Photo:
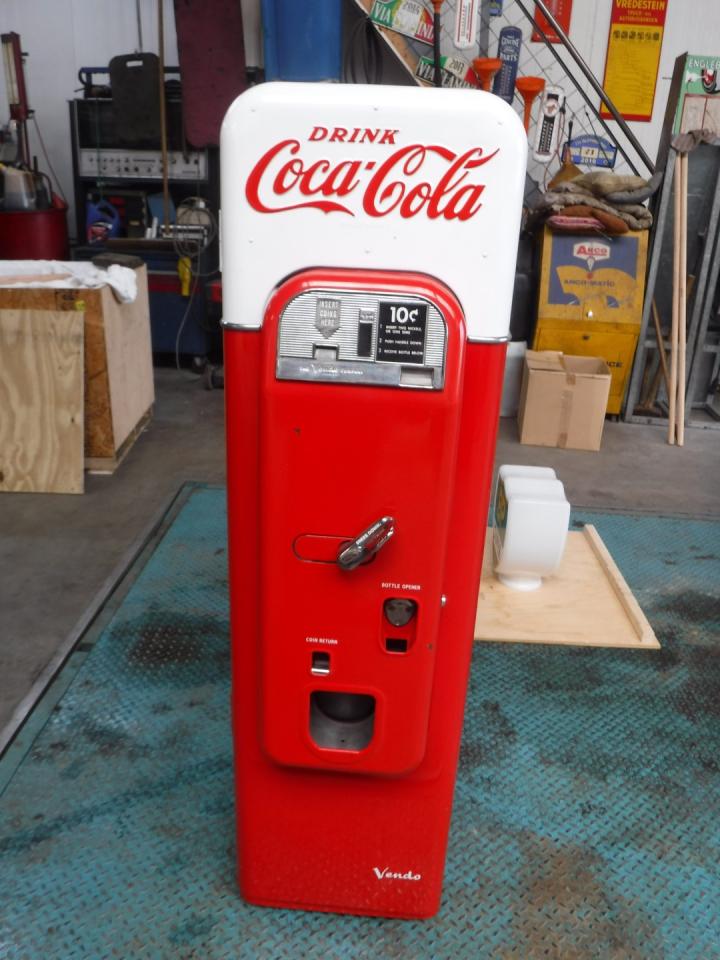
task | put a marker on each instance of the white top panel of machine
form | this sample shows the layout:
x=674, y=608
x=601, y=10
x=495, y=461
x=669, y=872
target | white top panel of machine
x=373, y=177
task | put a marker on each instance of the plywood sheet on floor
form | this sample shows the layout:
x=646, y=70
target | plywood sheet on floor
x=586, y=603
x=41, y=401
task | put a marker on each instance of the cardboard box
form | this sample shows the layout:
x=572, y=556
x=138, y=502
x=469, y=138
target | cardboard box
x=563, y=400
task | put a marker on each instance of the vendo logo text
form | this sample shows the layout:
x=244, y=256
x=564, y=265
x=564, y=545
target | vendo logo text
x=387, y=874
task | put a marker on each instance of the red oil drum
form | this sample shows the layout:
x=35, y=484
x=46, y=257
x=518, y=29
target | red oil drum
x=34, y=234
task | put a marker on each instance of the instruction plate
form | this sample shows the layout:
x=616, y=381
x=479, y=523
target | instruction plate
x=401, y=332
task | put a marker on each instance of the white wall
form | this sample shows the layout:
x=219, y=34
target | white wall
x=60, y=36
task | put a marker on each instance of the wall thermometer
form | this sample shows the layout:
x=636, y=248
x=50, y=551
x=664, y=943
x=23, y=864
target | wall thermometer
x=509, y=44
x=546, y=133
x=466, y=23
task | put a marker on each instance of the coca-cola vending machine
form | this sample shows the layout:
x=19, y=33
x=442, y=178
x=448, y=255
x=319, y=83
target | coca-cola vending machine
x=369, y=242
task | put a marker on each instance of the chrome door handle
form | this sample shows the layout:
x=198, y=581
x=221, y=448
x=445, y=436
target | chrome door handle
x=366, y=544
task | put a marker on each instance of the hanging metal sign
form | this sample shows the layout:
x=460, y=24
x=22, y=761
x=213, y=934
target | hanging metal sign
x=592, y=151
x=454, y=71
x=633, y=56
x=411, y=18
x=562, y=11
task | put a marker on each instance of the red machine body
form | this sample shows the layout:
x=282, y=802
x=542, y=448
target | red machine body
x=310, y=465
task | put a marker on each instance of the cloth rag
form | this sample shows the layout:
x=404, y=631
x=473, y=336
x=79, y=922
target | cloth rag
x=69, y=274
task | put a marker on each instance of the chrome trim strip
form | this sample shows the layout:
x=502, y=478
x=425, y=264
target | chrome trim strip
x=229, y=325
x=496, y=340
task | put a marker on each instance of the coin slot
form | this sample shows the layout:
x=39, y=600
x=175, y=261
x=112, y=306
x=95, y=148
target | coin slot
x=396, y=645
x=320, y=665
x=364, y=339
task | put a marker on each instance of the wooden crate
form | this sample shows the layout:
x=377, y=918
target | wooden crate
x=41, y=401
x=119, y=390
x=586, y=603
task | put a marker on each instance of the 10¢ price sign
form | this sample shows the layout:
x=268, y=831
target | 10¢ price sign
x=401, y=332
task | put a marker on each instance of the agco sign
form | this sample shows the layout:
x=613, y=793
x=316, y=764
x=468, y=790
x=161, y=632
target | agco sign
x=591, y=252
x=407, y=181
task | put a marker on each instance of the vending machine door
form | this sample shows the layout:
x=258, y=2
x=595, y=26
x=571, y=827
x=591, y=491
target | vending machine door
x=362, y=386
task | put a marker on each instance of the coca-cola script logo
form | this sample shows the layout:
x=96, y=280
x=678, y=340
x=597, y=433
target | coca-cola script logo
x=410, y=180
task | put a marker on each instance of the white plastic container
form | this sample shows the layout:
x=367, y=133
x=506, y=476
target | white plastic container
x=525, y=470
x=531, y=523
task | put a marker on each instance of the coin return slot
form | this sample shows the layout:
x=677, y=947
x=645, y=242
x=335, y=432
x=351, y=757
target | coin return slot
x=326, y=354
x=414, y=377
x=320, y=663
x=396, y=645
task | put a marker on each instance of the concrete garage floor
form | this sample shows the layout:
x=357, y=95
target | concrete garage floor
x=57, y=552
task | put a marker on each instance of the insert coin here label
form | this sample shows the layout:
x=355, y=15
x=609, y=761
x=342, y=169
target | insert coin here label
x=402, y=328
x=327, y=315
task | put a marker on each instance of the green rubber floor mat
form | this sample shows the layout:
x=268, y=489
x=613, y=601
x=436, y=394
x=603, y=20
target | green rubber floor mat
x=587, y=809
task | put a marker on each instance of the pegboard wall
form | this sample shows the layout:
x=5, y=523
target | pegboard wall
x=555, y=66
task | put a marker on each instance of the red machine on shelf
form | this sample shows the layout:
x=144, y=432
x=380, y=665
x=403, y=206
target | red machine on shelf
x=33, y=224
x=368, y=260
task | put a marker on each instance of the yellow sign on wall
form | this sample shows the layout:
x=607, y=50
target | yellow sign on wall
x=633, y=56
